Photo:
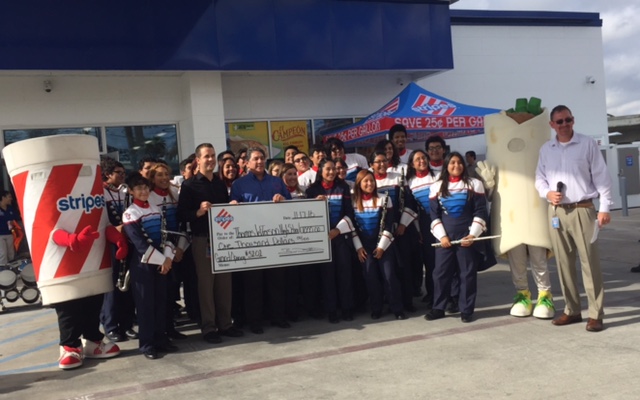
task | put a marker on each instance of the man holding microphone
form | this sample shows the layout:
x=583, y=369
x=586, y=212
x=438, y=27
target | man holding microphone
x=571, y=174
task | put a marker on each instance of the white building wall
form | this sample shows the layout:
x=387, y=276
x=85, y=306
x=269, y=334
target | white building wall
x=307, y=95
x=493, y=67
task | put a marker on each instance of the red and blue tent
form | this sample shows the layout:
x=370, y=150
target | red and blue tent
x=423, y=114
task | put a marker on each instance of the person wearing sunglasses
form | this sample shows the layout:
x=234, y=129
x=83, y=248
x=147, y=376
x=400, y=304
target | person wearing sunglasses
x=571, y=173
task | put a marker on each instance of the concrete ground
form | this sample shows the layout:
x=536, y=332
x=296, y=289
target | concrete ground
x=496, y=356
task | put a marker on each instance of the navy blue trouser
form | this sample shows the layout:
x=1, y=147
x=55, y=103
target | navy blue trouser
x=118, y=309
x=150, y=295
x=336, y=277
x=461, y=260
x=381, y=280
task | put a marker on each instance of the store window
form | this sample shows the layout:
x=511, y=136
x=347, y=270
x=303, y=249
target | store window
x=242, y=135
x=289, y=133
x=130, y=144
x=322, y=126
x=16, y=135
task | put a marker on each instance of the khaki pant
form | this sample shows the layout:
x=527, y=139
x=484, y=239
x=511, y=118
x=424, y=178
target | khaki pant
x=214, y=291
x=571, y=239
x=7, y=252
x=537, y=259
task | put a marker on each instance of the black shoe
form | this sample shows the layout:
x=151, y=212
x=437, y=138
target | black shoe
x=212, y=337
x=333, y=317
x=232, y=332
x=256, y=329
x=131, y=334
x=115, y=336
x=347, y=315
x=434, y=314
x=281, y=324
x=167, y=347
x=150, y=354
x=466, y=317
x=452, y=306
x=636, y=268
x=376, y=315
x=174, y=334
x=401, y=315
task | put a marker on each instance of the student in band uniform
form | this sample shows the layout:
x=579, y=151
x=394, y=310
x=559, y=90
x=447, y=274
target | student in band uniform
x=458, y=212
x=373, y=241
x=336, y=275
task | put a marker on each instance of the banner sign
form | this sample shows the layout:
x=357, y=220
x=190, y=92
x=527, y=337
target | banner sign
x=261, y=235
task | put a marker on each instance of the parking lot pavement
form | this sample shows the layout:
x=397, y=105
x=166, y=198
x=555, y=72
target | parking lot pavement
x=496, y=356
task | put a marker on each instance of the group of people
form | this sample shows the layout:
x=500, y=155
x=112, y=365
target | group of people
x=399, y=221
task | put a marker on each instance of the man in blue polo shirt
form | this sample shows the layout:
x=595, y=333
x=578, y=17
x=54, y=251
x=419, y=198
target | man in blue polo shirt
x=257, y=186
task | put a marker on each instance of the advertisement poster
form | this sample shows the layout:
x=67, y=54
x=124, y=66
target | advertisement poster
x=243, y=135
x=286, y=133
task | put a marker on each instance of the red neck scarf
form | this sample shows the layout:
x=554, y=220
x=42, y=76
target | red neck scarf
x=422, y=174
x=161, y=192
x=455, y=178
x=327, y=185
x=315, y=168
x=140, y=203
x=403, y=152
x=381, y=176
x=436, y=163
x=367, y=196
x=291, y=189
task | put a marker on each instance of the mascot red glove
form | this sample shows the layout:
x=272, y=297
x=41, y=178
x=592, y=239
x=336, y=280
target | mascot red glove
x=116, y=237
x=79, y=242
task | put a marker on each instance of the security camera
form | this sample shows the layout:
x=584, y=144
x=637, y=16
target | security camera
x=400, y=81
x=48, y=86
x=591, y=80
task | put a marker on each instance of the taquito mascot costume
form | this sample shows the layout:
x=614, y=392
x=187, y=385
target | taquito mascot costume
x=57, y=180
x=518, y=214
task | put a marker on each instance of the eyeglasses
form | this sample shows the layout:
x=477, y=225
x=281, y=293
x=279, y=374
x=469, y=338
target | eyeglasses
x=434, y=148
x=567, y=121
x=379, y=162
x=299, y=160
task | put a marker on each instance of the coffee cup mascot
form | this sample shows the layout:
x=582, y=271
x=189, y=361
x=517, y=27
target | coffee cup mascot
x=517, y=212
x=58, y=185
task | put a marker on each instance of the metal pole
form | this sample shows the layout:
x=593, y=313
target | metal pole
x=623, y=195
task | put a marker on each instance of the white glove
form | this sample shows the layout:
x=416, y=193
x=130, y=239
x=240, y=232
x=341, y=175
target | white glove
x=487, y=172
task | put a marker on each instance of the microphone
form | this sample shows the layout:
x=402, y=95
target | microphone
x=559, y=187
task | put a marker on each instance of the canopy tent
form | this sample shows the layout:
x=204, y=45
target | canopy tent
x=423, y=114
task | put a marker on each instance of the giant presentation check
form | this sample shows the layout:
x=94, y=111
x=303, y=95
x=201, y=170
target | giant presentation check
x=266, y=235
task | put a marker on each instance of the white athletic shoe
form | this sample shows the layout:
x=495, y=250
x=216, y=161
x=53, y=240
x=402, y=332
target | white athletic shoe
x=100, y=349
x=544, y=306
x=70, y=357
x=522, y=306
